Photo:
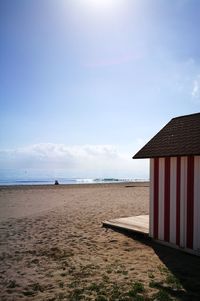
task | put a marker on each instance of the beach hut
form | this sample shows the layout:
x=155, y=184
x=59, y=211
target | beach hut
x=175, y=183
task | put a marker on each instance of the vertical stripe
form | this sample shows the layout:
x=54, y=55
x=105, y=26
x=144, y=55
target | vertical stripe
x=196, y=243
x=183, y=196
x=173, y=172
x=167, y=199
x=190, y=202
x=161, y=198
x=156, y=183
x=178, y=187
x=151, y=204
x=198, y=204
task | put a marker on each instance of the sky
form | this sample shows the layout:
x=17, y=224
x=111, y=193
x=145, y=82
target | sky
x=84, y=84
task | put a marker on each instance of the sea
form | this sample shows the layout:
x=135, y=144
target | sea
x=51, y=181
x=48, y=177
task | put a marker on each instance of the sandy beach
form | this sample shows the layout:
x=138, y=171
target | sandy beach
x=53, y=247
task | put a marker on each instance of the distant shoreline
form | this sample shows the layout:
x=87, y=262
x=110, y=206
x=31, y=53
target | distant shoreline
x=76, y=185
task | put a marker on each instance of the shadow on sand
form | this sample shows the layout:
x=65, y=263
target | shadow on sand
x=185, y=267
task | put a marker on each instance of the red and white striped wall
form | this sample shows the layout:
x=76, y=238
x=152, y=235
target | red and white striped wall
x=175, y=201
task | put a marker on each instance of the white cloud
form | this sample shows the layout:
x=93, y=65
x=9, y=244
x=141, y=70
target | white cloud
x=75, y=161
x=196, y=88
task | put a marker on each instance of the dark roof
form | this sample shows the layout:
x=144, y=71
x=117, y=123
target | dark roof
x=180, y=137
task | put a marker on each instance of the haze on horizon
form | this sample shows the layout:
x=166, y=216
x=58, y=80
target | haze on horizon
x=86, y=83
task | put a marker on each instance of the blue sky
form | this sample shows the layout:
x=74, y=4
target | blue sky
x=85, y=83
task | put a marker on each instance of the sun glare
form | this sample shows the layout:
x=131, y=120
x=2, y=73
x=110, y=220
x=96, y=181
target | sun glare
x=103, y=5
x=89, y=13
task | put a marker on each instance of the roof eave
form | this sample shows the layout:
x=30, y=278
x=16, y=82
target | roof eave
x=163, y=156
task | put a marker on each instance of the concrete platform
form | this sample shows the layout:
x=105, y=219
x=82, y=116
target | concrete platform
x=138, y=224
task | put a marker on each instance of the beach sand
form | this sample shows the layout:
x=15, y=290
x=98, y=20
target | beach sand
x=53, y=247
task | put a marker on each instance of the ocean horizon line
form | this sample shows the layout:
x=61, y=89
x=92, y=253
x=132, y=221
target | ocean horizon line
x=67, y=181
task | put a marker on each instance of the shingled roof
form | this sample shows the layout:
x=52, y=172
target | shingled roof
x=180, y=137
